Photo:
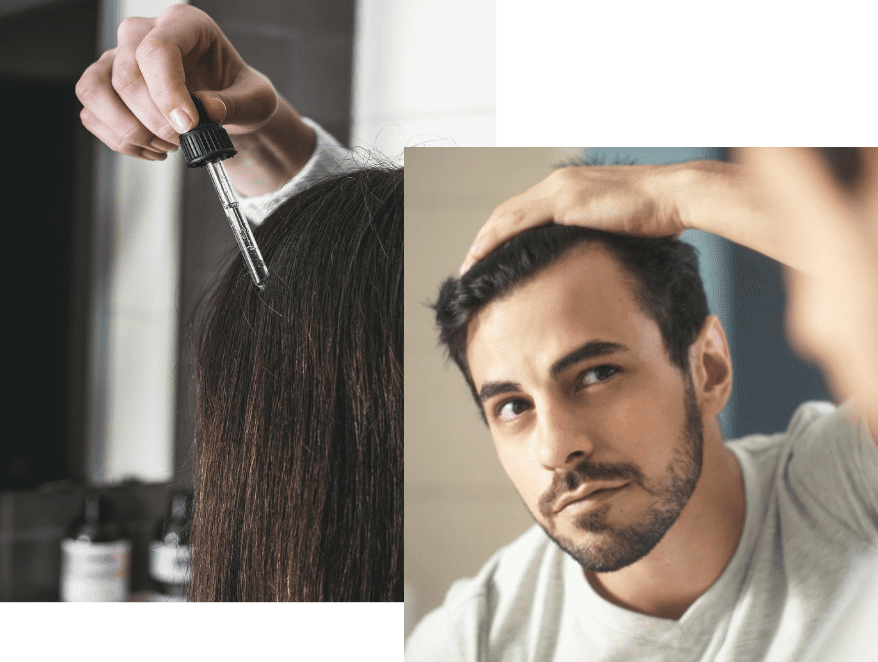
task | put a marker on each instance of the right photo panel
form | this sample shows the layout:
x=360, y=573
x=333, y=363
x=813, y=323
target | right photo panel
x=630, y=431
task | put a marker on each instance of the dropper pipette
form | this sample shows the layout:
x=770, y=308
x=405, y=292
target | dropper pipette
x=209, y=145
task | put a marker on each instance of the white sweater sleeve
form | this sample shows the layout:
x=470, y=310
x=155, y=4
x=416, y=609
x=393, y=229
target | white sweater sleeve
x=329, y=158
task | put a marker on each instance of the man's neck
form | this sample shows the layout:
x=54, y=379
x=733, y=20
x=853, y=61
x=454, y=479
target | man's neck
x=695, y=550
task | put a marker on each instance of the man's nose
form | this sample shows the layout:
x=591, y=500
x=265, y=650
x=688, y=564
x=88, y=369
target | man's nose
x=562, y=436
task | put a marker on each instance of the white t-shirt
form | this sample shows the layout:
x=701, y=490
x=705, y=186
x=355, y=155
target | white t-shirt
x=811, y=520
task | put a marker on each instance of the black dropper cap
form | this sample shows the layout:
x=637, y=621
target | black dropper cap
x=206, y=143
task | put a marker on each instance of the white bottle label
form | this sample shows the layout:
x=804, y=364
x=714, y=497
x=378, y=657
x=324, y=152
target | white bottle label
x=170, y=563
x=95, y=571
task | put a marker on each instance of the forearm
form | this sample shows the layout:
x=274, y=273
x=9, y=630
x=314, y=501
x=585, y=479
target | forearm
x=722, y=199
x=271, y=156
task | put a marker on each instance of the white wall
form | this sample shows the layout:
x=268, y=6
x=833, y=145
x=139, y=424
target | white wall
x=424, y=73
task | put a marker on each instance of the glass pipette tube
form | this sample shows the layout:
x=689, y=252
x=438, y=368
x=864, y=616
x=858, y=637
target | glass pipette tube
x=240, y=227
x=208, y=144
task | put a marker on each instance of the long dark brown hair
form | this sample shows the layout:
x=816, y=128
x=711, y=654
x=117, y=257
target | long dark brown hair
x=299, y=452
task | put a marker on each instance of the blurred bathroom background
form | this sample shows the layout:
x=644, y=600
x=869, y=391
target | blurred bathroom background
x=105, y=256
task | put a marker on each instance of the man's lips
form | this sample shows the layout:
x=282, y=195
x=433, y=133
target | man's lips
x=585, y=491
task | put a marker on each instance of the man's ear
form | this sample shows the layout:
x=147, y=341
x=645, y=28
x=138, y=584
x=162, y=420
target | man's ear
x=711, y=366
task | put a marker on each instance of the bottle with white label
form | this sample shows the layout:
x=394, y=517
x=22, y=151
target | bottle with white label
x=95, y=555
x=169, y=551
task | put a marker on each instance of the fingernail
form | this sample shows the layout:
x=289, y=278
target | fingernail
x=181, y=121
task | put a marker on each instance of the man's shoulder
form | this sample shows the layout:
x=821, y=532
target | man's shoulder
x=816, y=413
x=824, y=465
x=815, y=430
x=500, y=597
x=512, y=567
x=809, y=418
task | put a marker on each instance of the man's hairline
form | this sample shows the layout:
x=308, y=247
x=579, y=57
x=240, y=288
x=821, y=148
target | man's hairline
x=582, y=246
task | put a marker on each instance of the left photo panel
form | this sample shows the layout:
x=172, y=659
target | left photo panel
x=205, y=334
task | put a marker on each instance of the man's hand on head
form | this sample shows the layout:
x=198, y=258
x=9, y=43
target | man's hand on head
x=783, y=203
x=628, y=199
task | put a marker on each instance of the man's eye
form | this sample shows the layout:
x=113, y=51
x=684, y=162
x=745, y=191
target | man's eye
x=597, y=374
x=511, y=409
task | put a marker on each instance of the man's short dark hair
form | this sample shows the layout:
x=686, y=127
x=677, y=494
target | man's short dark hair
x=663, y=273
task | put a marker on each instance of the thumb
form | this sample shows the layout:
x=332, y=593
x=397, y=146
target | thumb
x=245, y=106
x=214, y=106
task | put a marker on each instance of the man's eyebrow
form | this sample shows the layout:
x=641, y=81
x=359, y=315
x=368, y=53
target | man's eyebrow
x=490, y=389
x=587, y=351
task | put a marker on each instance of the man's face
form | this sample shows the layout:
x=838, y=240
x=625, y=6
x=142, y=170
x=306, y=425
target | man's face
x=580, y=396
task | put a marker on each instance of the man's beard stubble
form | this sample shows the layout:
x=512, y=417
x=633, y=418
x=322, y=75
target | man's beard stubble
x=671, y=490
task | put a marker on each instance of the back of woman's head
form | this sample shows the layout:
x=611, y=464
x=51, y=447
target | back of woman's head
x=299, y=434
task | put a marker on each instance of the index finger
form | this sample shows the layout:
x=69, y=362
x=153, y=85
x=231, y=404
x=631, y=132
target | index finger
x=160, y=58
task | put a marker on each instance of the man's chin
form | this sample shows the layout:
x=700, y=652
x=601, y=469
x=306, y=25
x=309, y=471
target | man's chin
x=600, y=552
x=600, y=547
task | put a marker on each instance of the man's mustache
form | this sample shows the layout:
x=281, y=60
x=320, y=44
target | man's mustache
x=585, y=472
